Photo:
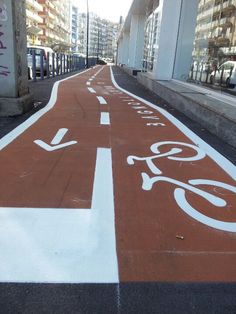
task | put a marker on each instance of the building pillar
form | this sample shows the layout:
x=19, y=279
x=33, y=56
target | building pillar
x=125, y=48
x=14, y=92
x=120, y=51
x=185, y=41
x=168, y=25
x=136, y=41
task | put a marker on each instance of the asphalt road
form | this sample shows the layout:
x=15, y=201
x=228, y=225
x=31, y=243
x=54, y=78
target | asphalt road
x=114, y=205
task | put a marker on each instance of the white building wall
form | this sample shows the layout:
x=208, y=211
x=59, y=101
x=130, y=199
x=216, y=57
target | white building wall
x=168, y=23
x=185, y=39
x=174, y=43
x=136, y=41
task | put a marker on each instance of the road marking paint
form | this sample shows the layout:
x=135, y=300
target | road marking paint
x=101, y=100
x=62, y=245
x=105, y=118
x=11, y=136
x=56, y=140
x=224, y=163
x=91, y=90
x=88, y=83
x=90, y=79
x=59, y=136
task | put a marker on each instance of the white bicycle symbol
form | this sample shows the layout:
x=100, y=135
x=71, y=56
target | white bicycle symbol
x=180, y=190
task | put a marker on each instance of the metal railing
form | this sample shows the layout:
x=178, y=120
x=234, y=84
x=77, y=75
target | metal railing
x=202, y=73
x=42, y=67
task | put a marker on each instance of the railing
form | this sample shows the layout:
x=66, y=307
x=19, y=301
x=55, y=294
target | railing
x=41, y=67
x=202, y=73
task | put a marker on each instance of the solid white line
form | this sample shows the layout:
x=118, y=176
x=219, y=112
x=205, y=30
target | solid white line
x=101, y=100
x=59, y=136
x=105, y=118
x=7, y=139
x=62, y=245
x=224, y=163
x=91, y=90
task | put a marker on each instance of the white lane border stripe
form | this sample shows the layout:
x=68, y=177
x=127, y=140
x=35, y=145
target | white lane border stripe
x=224, y=163
x=63, y=245
x=10, y=137
x=91, y=90
x=101, y=100
x=105, y=118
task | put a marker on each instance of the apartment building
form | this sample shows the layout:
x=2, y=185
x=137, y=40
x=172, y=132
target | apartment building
x=102, y=36
x=48, y=23
x=74, y=31
x=33, y=21
x=215, y=37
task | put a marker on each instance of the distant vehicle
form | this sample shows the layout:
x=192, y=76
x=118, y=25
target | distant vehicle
x=37, y=50
x=225, y=73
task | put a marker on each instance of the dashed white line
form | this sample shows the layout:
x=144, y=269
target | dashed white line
x=88, y=83
x=105, y=118
x=101, y=100
x=91, y=90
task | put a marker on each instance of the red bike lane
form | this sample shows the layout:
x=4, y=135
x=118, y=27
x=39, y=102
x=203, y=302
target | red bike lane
x=174, y=196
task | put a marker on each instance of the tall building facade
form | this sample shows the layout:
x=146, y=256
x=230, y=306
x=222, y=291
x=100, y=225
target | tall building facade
x=102, y=36
x=48, y=23
x=74, y=29
x=215, y=36
x=33, y=21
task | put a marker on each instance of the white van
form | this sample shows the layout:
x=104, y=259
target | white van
x=225, y=73
x=37, y=50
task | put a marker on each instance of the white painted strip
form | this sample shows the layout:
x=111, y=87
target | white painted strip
x=101, y=100
x=224, y=163
x=7, y=139
x=88, y=83
x=59, y=136
x=90, y=79
x=91, y=90
x=63, y=245
x=105, y=118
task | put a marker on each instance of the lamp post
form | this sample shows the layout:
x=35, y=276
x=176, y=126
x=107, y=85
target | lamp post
x=87, y=47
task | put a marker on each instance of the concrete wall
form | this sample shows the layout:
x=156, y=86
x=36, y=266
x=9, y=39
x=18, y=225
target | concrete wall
x=13, y=59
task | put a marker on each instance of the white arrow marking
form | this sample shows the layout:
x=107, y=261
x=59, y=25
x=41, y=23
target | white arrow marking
x=55, y=141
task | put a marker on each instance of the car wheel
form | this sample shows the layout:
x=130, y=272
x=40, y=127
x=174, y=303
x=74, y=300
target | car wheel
x=30, y=73
x=212, y=79
x=228, y=84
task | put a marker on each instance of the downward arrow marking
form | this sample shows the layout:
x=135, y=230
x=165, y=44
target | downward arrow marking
x=55, y=141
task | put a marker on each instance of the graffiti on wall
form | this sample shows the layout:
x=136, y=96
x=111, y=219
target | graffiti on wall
x=4, y=71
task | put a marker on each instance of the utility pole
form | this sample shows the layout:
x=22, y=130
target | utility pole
x=98, y=43
x=87, y=47
x=14, y=92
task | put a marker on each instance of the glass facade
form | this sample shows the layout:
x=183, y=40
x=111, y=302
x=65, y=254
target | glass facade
x=214, y=53
x=150, y=40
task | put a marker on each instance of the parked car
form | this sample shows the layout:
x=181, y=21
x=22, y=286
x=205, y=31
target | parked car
x=225, y=73
x=38, y=50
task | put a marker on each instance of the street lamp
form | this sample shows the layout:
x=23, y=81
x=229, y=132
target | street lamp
x=87, y=47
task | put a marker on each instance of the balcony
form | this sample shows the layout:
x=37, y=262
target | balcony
x=35, y=5
x=33, y=16
x=225, y=22
x=229, y=5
